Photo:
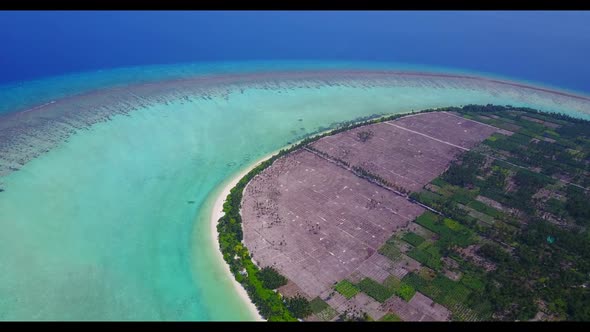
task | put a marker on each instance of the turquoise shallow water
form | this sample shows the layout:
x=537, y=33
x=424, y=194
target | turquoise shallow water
x=114, y=223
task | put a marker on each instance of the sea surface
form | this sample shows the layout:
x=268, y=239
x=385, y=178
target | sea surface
x=110, y=221
x=542, y=46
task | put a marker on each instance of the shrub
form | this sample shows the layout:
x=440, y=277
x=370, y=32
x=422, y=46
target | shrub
x=271, y=278
x=299, y=306
x=406, y=292
x=390, y=251
x=413, y=239
x=365, y=135
x=318, y=305
x=390, y=317
x=375, y=289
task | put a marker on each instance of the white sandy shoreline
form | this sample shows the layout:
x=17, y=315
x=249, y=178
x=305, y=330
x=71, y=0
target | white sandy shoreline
x=216, y=214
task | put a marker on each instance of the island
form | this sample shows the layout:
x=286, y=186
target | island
x=460, y=213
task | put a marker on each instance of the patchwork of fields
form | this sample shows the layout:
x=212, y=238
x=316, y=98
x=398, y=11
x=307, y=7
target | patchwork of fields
x=336, y=219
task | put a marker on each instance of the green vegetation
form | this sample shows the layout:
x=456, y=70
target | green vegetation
x=560, y=210
x=577, y=205
x=346, y=288
x=374, y=289
x=538, y=243
x=327, y=314
x=528, y=184
x=406, y=292
x=483, y=208
x=390, y=318
x=271, y=278
x=413, y=239
x=365, y=135
x=427, y=273
x=399, y=288
x=299, y=306
x=429, y=256
x=452, y=295
x=322, y=310
x=451, y=232
x=473, y=282
x=427, y=219
x=390, y=251
x=392, y=282
x=463, y=174
x=318, y=305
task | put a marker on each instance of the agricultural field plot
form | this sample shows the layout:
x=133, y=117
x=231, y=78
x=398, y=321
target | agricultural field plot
x=292, y=290
x=404, y=265
x=539, y=121
x=376, y=267
x=413, y=239
x=423, y=232
x=321, y=310
x=355, y=305
x=390, y=317
x=444, y=291
x=399, y=288
x=448, y=127
x=375, y=289
x=337, y=301
x=476, y=214
x=419, y=309
x=346, y=289
x=401, y=264
x=370, y=306
x=491, y=203
x=408, y=152
x=317, y=222
x=398, y=156
x=430, y=308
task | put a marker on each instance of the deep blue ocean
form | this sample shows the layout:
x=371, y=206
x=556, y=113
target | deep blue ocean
x=552, y=48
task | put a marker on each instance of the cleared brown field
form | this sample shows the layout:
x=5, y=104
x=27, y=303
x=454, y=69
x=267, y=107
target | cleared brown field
x=408, y=152
x=448, y=127
x=419, y=308
x=317, y=222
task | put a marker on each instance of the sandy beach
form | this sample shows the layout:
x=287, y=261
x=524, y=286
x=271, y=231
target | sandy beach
x=216, y=214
